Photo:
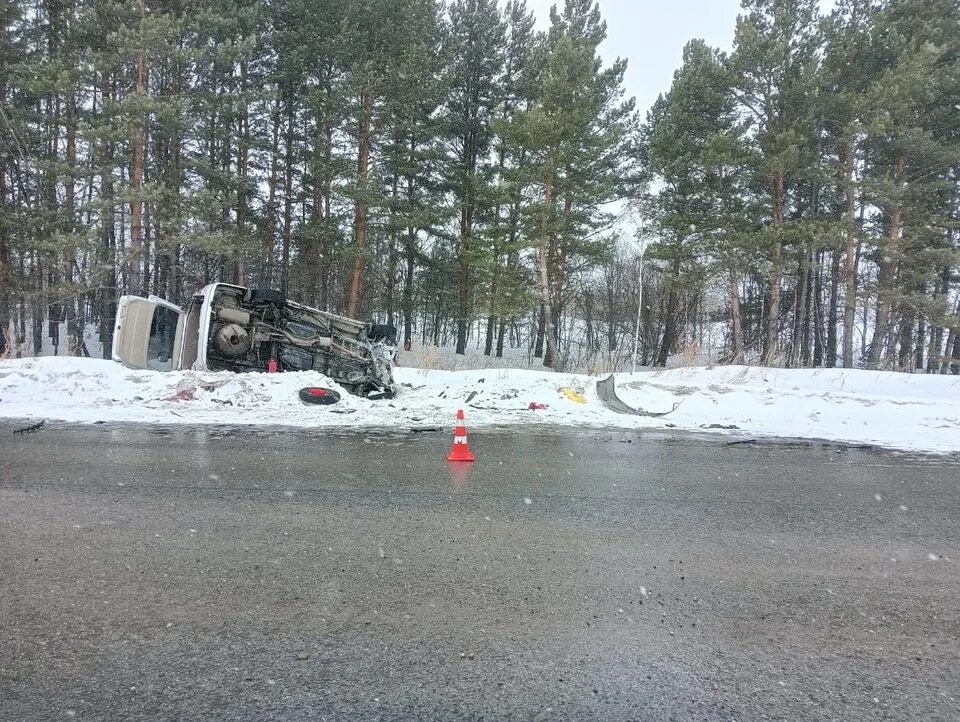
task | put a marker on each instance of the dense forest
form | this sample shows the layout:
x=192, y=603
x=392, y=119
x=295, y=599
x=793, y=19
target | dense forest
x=453, y=170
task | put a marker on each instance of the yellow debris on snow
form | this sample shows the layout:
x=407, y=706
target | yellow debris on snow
x=573, y=395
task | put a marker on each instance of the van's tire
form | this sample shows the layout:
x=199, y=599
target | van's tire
x=385, y=332
x=265, y=295
x=318, y=396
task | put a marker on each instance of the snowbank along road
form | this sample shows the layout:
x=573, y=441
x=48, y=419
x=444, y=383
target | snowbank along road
x=912, y=412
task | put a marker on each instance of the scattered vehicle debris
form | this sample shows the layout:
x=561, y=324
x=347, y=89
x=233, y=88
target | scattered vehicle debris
x=607, y=391
x=30, y=429
x=534, y=406
x=232, y=328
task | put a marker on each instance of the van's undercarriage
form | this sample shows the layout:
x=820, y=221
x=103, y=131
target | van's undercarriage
x=253, y=329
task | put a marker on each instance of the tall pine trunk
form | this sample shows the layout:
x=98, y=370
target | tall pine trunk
x=811, y=300
x=393, y=255
x=108, y=244
x=771, y=345
x=833, y=309
x=935, y=350
x=951, y=352
x=326, y=239
x=799, y=310
x=669, y=339
x=905, y=352
x=494, y=304
x=887, y=278
x=170, y=214
x=815, y=314
x=286, y=236
x=6, y=261
x=409, y=257
x=920, y=346
x=491, y=330
x=361, y=210
x=850, y=255
x=558, y=280
x=736, y=326
x=74, y=322
x=543, y=263
x=463, y=276
x=270, y=239
x=136, y=172
x=410, y=260
x=243, y=153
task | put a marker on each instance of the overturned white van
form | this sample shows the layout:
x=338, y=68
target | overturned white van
x=232, y=328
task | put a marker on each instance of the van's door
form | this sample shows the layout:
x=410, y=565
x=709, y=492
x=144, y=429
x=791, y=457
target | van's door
x=148, y=333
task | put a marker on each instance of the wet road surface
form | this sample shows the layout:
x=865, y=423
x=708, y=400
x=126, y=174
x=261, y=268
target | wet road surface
x=225, y=574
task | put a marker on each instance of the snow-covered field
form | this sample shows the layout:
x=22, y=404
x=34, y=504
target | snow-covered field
x=912, y=412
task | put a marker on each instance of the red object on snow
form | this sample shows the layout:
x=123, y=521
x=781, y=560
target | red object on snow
x=461, y=449
x=534, y=406
x=272, y=367
x=182, y=395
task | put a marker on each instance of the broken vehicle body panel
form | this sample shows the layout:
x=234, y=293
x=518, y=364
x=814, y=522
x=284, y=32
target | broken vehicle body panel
x=232, y=328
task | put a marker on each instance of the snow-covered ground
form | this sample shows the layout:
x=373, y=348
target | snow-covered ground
x=912, y=412
x=896, y=410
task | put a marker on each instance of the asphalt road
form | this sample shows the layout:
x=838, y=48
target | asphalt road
x=291, y=575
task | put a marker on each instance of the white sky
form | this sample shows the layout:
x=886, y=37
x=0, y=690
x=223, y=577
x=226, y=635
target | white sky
x=651, y=34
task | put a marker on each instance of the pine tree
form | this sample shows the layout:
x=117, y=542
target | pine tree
x=695, y=147
x=849, y=68
x=473, y=50
x=412, y=156
x=578, y=134
x=507, y=285
x=316, y=29
x=775, y=59
x=910, y=151
x=9, y=149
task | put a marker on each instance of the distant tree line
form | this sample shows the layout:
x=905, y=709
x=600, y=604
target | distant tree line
x=812, y=174
x=452, y=170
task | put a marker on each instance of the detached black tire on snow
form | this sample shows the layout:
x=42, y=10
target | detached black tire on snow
x=318, y=396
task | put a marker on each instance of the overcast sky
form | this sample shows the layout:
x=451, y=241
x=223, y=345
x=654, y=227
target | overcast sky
x=651, y=34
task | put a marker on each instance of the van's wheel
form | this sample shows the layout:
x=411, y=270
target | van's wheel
x=264, y=295
x=318, y=396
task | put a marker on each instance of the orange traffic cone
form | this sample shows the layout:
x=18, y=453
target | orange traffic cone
x=461, y=449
